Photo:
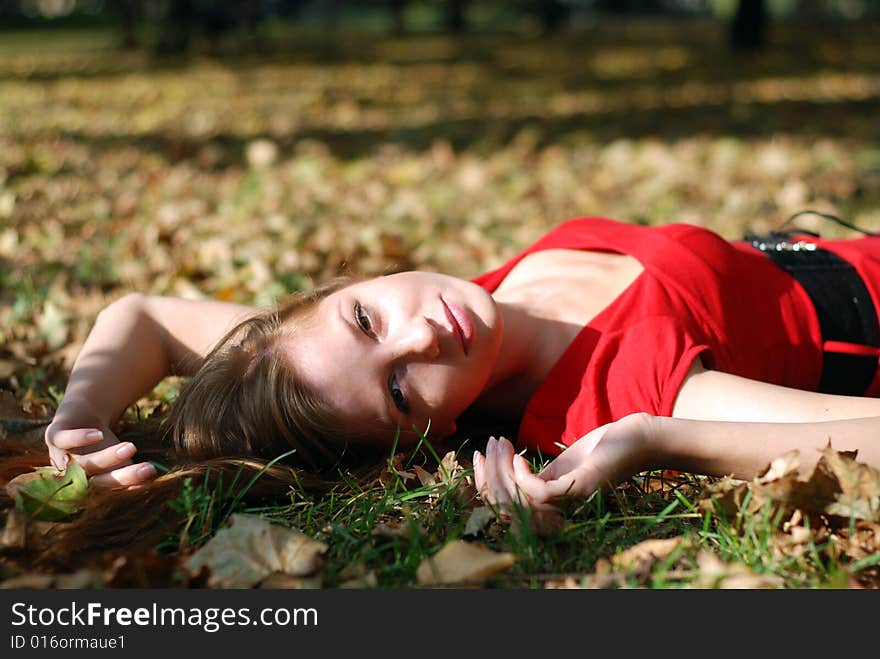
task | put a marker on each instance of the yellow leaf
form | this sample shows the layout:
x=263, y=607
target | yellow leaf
x=647, y=551
x=462, y=562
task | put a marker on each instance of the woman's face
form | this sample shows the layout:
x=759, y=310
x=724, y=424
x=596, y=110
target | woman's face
x=406, y=348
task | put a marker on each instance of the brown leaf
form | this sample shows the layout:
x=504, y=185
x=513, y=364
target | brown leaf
x=30, y=580
x=390, y=530
x=838, y=486
x=249, y=549
x=645, y=552
x=425, y=478
x=83, y=578
x=369, y=580
x=479, y=518
x=715, y=573
x=15, y=532
x=785, y=465
x=462, y=562
x=280, y=580
x=356, y=575
x=395, y=470
x=449, y=467
x=568, y=583
x=9, y=367
x=858, y=484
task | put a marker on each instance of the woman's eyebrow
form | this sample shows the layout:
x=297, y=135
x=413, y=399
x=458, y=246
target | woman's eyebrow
x=389, y=416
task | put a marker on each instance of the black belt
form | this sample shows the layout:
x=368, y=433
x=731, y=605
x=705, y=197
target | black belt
x=843, y=305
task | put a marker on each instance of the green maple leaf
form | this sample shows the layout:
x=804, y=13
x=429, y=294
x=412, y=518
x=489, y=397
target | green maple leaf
x=48, y=494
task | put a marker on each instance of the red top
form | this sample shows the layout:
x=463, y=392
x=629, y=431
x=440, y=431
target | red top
x=698, y=295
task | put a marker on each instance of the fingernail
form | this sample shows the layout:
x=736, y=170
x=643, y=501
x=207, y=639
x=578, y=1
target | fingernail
x=146, y=471
x=94, y=434
x=125, y=451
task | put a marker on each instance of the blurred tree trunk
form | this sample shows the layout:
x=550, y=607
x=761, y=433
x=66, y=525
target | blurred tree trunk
x=331, y=9
x=748, y=30
x=552, y=14
x=251, y=15
x=398, y=18
x=129, y=12
x=455, y=15
x=177, y=27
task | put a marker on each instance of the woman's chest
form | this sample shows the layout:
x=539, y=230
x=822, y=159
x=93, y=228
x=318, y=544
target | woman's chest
x=570, y=287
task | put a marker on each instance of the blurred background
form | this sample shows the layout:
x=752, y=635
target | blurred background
x=242, y=150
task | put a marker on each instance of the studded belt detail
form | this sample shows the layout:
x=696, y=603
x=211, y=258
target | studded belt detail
x=846, y=313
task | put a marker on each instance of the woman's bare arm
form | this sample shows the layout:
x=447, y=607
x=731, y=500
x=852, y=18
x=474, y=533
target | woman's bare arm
x=135, y=342
x=722, y=424
x=742, y=449
x=717, y=396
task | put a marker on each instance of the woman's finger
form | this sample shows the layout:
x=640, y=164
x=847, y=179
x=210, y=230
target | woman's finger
x=135, y=474
x=568, y=485
x=479, y=478
x=77, y=438
x=505, y=453
x=501, y=483
x=111, y=457
x=58, y=457
x=534, y=488
x=494, y=491
x=575, y=455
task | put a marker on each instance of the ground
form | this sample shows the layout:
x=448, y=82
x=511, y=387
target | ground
x=244, y=177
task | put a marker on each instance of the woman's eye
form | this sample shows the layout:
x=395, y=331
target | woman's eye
x=397, y=395
x=361, y=318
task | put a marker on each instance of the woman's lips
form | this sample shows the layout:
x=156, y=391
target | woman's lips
x=462, y=324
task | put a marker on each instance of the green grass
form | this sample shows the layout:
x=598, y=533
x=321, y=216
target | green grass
x=385, y=530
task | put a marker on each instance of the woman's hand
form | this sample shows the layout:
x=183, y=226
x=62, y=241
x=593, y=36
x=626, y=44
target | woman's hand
x=105, y=459
x=607, y=455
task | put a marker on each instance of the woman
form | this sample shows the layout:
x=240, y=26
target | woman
x=631, y=347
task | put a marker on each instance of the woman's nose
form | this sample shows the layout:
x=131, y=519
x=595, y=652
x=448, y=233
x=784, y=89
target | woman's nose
x=418, y=338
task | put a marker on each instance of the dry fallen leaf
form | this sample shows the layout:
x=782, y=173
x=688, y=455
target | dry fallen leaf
x=425, y=478
x=859, y=486
x=356, y=575
x=838, y=486
x=391, y=529
x=391, y=472
x=30, y=580
x=785, y=465
x=645, y=552
x=479, y=518
x=15, y=532
x=462, y=562
x=715, y=573
x=448, y=468
x=250, y=549
x=282, y=581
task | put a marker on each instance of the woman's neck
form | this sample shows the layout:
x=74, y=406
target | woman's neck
x=522, y=361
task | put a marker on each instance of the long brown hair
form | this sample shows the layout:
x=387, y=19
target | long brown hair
x=241, y=411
